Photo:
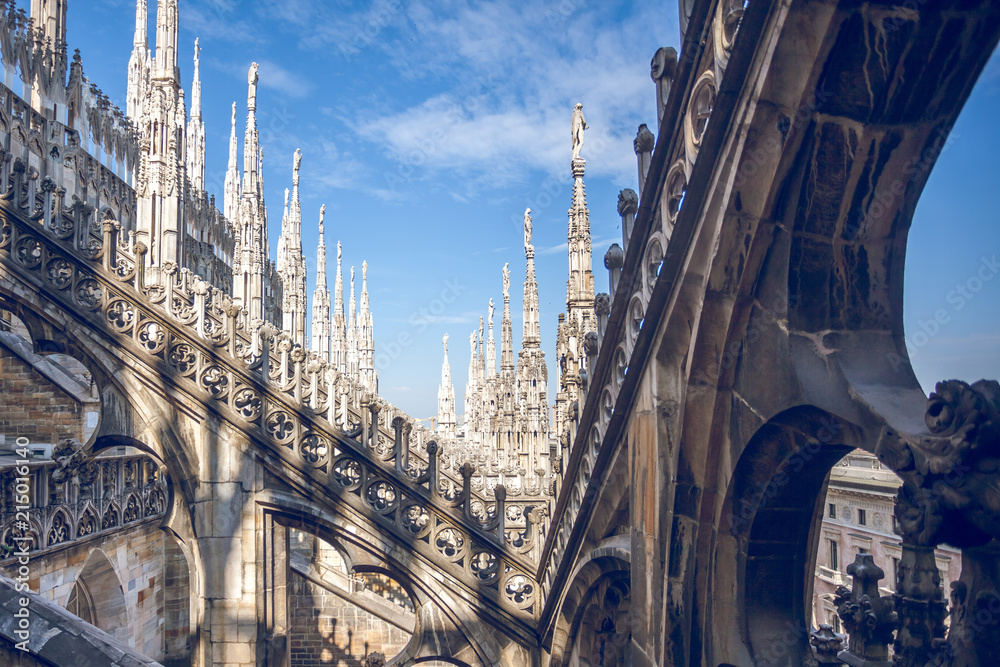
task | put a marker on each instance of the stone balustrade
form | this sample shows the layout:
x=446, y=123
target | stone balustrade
x=109, y=493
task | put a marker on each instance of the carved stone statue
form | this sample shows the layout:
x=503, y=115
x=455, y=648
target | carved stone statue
x=506, y=280
x=445, y=341
x=340, y=252
x=297, y=164
x=252, y=82
x=579, y=125
x=527, y=227
x=492, y=310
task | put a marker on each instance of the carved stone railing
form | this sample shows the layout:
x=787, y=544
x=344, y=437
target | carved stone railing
x=314, y=420
x=685, y=99
x=107, y=496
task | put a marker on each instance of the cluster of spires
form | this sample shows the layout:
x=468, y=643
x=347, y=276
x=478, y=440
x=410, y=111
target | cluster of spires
x=172, y=173
x=506, y=423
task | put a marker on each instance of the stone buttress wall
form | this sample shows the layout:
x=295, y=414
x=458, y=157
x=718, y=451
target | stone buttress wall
x=137, y=558
x=328, y=630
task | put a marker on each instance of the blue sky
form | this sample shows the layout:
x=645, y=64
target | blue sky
x=428, y=127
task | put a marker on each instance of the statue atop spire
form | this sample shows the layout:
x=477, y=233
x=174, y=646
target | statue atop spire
x=252, y=87
x=492, y=310
x=527, y=227
x=579, y=125
x=506, y=281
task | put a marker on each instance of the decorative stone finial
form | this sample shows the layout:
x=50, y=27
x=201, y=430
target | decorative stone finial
x=644, y=140
x=663, y=64
x=602, y=303
x=867, y=615
x=628, y=202
x=827, y=645
x=614, y=258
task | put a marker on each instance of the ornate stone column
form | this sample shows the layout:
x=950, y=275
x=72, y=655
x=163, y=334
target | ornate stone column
x=950, y=494
x=867, y=616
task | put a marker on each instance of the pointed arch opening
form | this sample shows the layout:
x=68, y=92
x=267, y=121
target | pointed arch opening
x=98, y=593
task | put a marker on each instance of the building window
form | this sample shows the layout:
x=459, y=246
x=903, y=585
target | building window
x=862, y=518
x=834, y=560
x=832, y=511
x=894, y=574
x=894, y=524
x=836, y=622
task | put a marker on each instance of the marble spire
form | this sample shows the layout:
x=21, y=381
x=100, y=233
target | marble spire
x=491, y=347
x=251, y=147
x=196, y=129
x=166, y=41
x=291, y=262
x=321, y=322
x=506, y=329
x=366, y=335
x=579, y=318
x=338, y=332
x=138, y=64
x=231, y=202
x=446, y=419
x=531, y=335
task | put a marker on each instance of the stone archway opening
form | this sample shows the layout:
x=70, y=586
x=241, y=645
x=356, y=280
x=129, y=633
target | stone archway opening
x=603, y=636
x=772, y=523
x=858, y=516
x=177, y=630
x=48, y=396
x=339, y=613
x=99, y=594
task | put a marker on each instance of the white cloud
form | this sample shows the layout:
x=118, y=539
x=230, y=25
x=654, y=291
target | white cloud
x=498, y=83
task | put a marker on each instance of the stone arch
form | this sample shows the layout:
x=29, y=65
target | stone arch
x=606, y=567
x=99, y=582
x=123, y=414
x=440, y=627
x=179, y=634
x=768, y=531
